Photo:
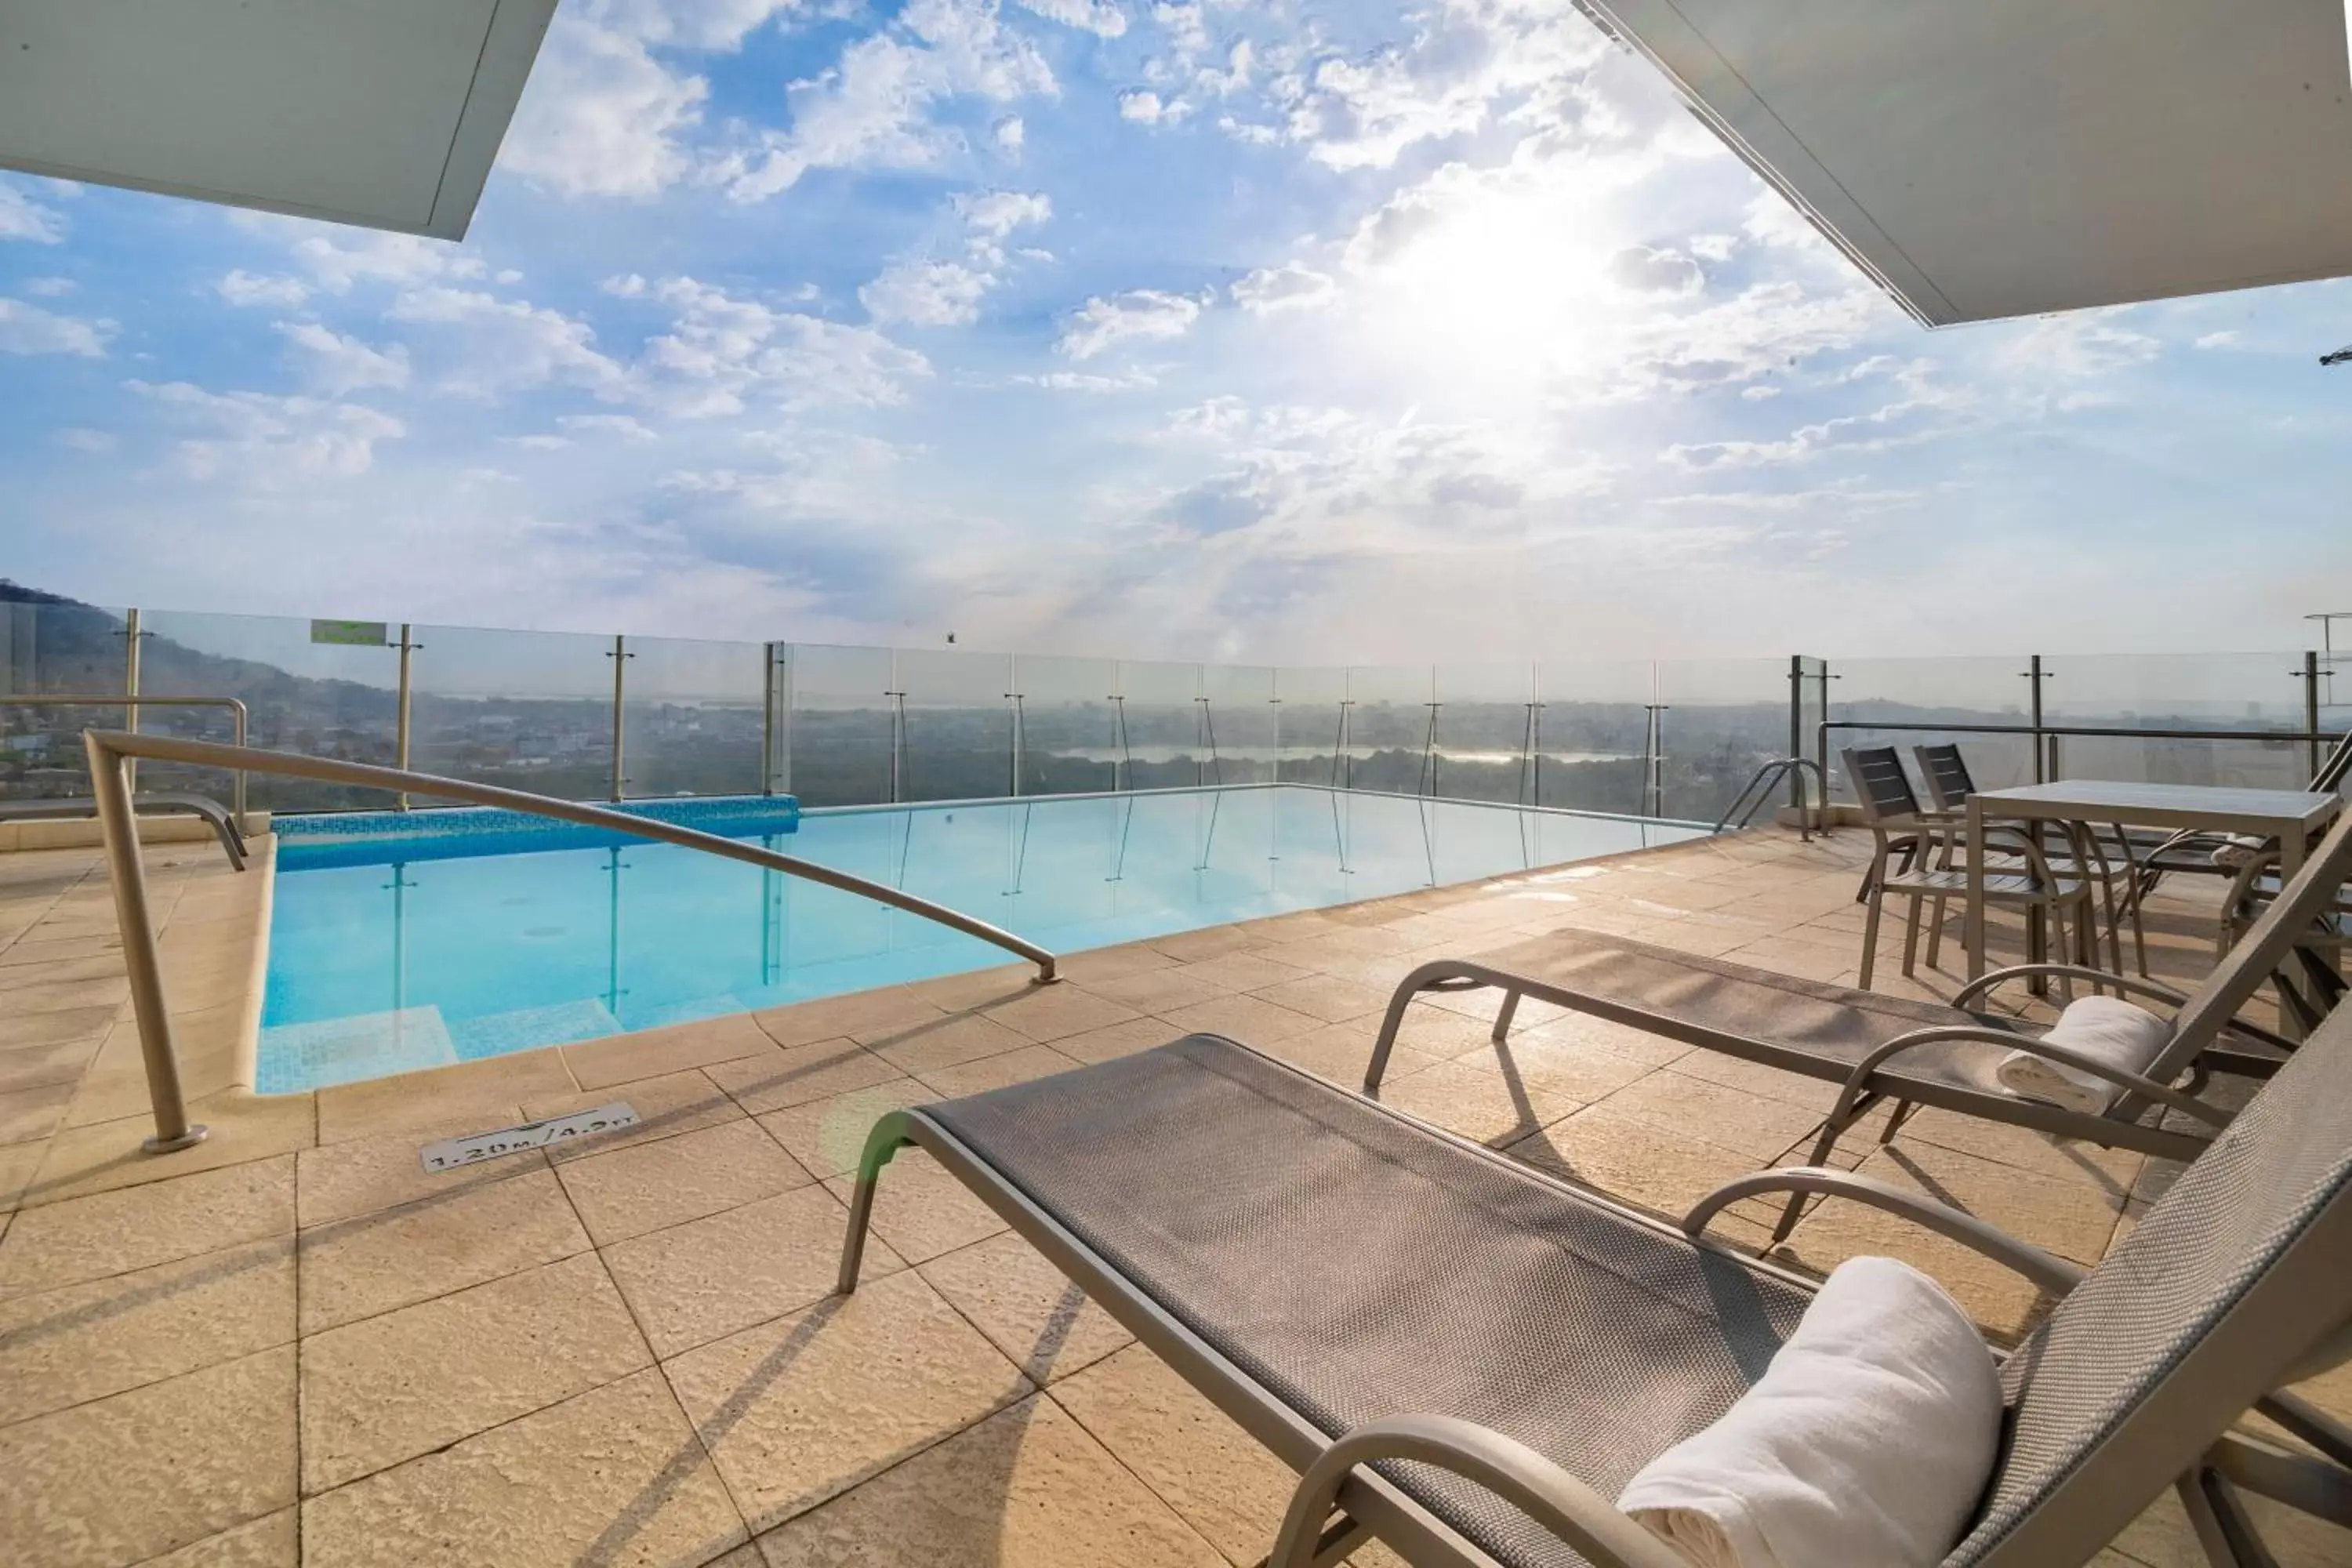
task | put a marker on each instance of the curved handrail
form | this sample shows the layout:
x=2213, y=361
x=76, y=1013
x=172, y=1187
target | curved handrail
x=111, y=749
x=1771, y=773
x=241, y=719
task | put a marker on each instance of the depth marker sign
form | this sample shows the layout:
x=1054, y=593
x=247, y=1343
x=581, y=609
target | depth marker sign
x=476, y=1147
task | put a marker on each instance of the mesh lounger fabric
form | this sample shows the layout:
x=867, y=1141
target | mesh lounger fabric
x=1358, y=1267
x=1799, y=1026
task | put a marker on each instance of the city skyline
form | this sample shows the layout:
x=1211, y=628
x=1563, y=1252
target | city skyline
x=1267, y=334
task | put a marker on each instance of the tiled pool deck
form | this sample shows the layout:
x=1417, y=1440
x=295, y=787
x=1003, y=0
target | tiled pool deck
x=290, y=1344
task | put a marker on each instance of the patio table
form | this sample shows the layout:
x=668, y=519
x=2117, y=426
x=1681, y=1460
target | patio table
x=2294, y=817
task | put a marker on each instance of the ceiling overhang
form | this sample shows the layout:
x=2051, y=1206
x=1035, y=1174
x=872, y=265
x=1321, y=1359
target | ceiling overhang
x=386, y=113
x=1984, y=159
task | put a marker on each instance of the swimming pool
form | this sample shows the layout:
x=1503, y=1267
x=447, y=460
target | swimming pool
x=406, y=942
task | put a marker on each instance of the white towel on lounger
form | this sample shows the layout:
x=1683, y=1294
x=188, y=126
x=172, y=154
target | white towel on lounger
x=1866, y=1443
x=2105, y=1028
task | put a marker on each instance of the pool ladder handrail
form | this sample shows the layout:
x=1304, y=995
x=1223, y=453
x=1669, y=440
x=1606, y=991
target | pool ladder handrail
x=1742, y=810
x=111, y=751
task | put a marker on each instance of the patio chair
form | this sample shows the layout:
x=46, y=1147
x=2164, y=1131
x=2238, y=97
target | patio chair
x=1467, y=1358
x=2197, y=852
x=223, y=826
x=1915, y=859
x=1950, y=785
x=1877, y=1047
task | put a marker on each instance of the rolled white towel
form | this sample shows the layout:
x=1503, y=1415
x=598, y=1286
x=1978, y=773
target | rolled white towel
x=2106, y=1027
x=1867, y=1442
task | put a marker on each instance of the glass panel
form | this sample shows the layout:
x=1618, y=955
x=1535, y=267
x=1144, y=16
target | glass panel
x=1723, y=719
x=1308, y=723
x=1387, y=728
x=1483, y=732
x=1926, y=692
x=1241, y=720
x=1594, y=729
x=321, y=700
x=55, y=649
x=959, y=725
x=2181, y=691
x=1068, y=727
x=529, y=709
x=690, y=718
x=838, y=705
x=1165, y=746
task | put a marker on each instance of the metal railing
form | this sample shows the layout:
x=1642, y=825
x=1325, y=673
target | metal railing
x=112, y=751
x=1743, y=809
x=2046, y=736
x=133, y=703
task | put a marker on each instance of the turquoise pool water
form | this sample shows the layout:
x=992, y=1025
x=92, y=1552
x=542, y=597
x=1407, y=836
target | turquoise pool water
x=398, y=943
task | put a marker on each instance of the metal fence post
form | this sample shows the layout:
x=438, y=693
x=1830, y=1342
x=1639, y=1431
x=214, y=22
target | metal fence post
x=2311, y=707
x=1797, y=734
x=767, y=718
x=1012, y=695
x=131, y=688
x=897, y=697
x=620, y=657
x=110, y=777
x=1821, y=742
x=2041, y=769
x=401, y=733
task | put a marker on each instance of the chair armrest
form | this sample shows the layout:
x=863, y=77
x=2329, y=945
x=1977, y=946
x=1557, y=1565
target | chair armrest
x=1586, y=1521
x=1982, y=984
x=2146, y=1087
x=2043, y=1269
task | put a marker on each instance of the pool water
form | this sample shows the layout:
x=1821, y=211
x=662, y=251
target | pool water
x=397, y=949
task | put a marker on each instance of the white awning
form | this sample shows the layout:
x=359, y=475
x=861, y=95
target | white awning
x=381, y=113
x=1990, y=158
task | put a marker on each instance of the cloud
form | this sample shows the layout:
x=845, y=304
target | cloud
x=394, y=259
x=50, y=288
x=1145, y=107
x=622, y=426
x=873, y=108
x=21, y=218
x=1138, y=315
x=602, y=117
x=1011, y=134
x=995, y=214
x=1647, y=270
x=2084, y=345
x=267, y=441
x=239, y=287
x=1099, y=17
x=29, y=329
x=1289, y=287
x=78, y=438
x=718, y=25
x=496, y=346
x=336, y=364
x=2219, y=341
x=723, y=350
x=925, y=293
x=1085, y=381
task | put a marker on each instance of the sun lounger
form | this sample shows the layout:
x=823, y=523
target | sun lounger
x=223, y=826
x=1916, y=1053
x=1469, y=1359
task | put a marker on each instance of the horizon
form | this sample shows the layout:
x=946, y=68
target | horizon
x=1257, y=336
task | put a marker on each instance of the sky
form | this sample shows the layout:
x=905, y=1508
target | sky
x=1267, y=332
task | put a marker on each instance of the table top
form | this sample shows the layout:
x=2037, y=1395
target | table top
x=2162, y=805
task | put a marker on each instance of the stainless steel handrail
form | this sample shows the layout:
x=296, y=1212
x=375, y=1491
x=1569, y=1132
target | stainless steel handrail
x=111, y=750
x=122, y=699
x=1761, y=783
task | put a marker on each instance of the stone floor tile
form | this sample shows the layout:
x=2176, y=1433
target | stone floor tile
x=1117, y=1041
x=355, y=1268
x=1193, y=946
x=113, y=1233
x=856, y=1016
x=695, y=1282
x=947, y=1042
x=1659, y=1169
x=1252, y=1020
x=1482, y=1103
x=1813, y=1094
x=273, y=1540
x=199, y=1453
x=1749, y=1124
x=492, y=1090
x=360, y=1175
x=1088, y=969
x=1026, y=1486
x=244, y=1128
x=61, y=995
x=1581, y=1071
x=803, y=1408
x=17, y=1163
x=653, y=1053
x=827, y=1135
x=632, y=1190
x=102, y=965
x=1243, y=971
x=1156, y=990
x=1329, y=997
x=26, y=1114
x=2111, y=1170
x=1581, y=1029
x=798, y=1075
x=1342, y=1052
x=1050, y=1013
x=611, y=1476
x=2073, y=1218
x=80, y=1342
x=387, y=1389
x=41, y=949
x=920, y=1210
x=38, y=1066
x=997, y=1072
x=2162, y=1537
x=1026, y=1307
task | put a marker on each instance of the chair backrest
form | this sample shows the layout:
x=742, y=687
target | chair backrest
x=1880, y=783
x=1946, y=773
x=2310, y=893
x=2231, y=1286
